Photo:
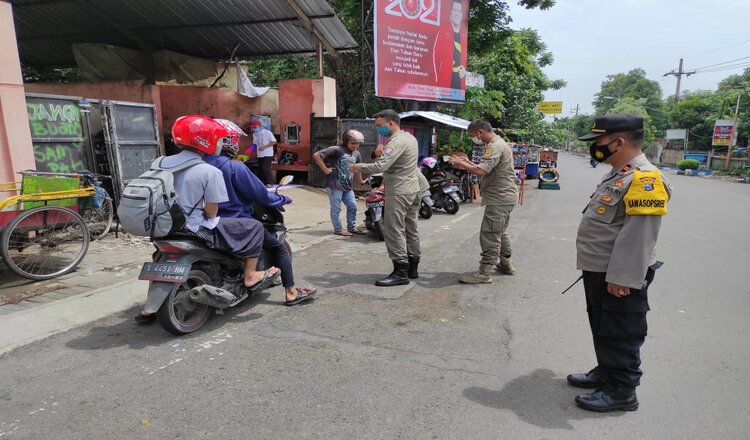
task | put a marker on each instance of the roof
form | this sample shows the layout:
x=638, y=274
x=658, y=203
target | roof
x=447, y=121
x=46, y=29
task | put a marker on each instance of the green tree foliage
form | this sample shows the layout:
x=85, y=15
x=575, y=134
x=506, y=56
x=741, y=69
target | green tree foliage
x=635, y=85
x=696, y=111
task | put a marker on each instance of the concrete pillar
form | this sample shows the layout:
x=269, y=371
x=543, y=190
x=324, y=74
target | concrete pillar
x=16, y=150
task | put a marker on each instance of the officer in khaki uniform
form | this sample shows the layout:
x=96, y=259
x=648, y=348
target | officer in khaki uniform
x=398, y=163
x=616, y=251
x=499, y=195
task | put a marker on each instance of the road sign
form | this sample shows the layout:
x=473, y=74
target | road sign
x=551, y=107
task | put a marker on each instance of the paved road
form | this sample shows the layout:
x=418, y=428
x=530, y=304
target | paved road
x=433, y=360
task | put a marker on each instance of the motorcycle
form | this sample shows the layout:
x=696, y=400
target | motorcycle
x=425, y=205
x=375, y=202
x=444, y=193
x=188, y=280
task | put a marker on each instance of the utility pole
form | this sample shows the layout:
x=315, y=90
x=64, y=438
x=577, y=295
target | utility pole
x=678, y=74
x=734, y=129
x=567, y=135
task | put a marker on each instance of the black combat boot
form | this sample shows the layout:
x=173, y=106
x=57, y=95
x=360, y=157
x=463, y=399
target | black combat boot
x=413, y=265
x=592, y=379
x=397, y=278
x=609, y=397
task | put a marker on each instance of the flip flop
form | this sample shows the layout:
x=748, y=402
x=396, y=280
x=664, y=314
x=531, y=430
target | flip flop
x=357, y=232
x=302, y=295
x=343, y=233
x=266, y=281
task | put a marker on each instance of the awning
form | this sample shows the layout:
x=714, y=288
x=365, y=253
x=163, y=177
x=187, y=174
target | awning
x=47, y=29
x=443, y=120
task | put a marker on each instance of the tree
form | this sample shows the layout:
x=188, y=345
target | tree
x=635, y=85
x=696, y=111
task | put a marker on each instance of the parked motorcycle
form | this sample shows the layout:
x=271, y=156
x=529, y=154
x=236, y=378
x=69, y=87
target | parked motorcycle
x=375, y=202
x=189, y=280
x=444, y=193
x=425, y=205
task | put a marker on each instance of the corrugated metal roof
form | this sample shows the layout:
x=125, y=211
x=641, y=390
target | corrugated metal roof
x=46, y=29
x=440, y=118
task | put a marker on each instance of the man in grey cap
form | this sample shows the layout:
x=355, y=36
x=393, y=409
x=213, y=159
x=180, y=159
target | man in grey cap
x=616, y=251
x=398, y=163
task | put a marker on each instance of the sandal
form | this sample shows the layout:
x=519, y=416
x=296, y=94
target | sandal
x=266, y=281
x=303, y=294
x=357, y=232
x=343, y=233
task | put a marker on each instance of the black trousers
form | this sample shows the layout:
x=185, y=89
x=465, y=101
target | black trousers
x=265, y=170
x=618, y=327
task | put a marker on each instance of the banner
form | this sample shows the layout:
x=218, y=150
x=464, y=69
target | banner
x=551, y=107
x=676, y=133
x=420, y=49
x=723, y=131
x=474, y=80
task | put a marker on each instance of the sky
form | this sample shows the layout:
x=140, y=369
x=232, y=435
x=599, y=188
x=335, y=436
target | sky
x=591, y=39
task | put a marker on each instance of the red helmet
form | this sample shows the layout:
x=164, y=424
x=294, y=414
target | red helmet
x=198, y=132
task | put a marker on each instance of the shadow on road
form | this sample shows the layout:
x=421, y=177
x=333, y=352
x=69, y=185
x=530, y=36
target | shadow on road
x=427, y=280
x=538, y=398
x=136, y=336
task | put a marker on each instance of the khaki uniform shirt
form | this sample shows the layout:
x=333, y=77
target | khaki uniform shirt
x=398, y=163
x=499, y=185
x=623, y=246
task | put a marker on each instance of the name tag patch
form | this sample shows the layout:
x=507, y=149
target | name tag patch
x=646, y=195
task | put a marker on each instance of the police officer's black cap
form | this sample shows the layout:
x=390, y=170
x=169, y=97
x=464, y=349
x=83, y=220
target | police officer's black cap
x=614, y=123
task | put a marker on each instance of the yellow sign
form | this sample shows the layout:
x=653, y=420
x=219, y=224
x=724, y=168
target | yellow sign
x=551, y=107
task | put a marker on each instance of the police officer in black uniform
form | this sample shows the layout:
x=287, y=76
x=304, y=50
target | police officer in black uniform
x=615, y=250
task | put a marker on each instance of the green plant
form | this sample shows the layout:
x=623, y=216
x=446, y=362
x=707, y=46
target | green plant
x=688, y=164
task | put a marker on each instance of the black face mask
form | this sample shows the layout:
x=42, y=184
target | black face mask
x=600, y=153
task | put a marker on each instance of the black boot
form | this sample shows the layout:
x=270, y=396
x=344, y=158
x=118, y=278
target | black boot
x=592, y=379
x=609, y=398
x=397, y=278
x=413, y=265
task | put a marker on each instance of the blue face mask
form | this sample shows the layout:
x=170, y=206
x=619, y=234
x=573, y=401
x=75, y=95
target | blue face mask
x=383, y=130
x=256, y=129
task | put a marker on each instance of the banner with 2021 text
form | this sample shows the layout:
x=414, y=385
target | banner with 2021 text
x=420, y=49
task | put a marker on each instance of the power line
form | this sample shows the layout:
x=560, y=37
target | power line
x=721, y=48
x=719, y=64
x=721, y=69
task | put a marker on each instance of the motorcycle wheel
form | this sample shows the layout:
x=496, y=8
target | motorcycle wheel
x=378, y=226
x=451, y=206
x=178, y=314
x=425, y=211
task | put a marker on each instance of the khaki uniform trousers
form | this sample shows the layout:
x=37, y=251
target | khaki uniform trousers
x=493, y=236
x=400, y=226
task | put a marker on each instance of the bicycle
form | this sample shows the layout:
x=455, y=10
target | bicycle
x=43, y=242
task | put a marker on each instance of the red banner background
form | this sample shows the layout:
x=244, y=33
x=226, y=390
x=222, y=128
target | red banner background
x=416, y=50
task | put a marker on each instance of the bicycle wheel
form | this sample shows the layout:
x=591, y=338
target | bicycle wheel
x=98, y=220
x=45, y=242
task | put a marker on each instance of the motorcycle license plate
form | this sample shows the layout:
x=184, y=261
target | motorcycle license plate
x=451, y=189
x=375, y=204
x=168, y=272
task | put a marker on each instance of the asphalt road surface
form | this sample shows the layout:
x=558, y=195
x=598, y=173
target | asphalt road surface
x=432, y=360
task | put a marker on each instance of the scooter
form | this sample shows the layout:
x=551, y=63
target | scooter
x=375, y=203
x=188, y=280
x=444, y=193
x=425, y=205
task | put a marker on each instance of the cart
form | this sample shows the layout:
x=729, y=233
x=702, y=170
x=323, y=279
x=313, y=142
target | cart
x=47, y=225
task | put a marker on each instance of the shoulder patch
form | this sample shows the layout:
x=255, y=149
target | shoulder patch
x=488, y=152
x=388, y=151
x=646, y=195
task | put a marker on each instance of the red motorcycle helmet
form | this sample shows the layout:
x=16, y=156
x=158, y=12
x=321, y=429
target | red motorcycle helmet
x=199, y=133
